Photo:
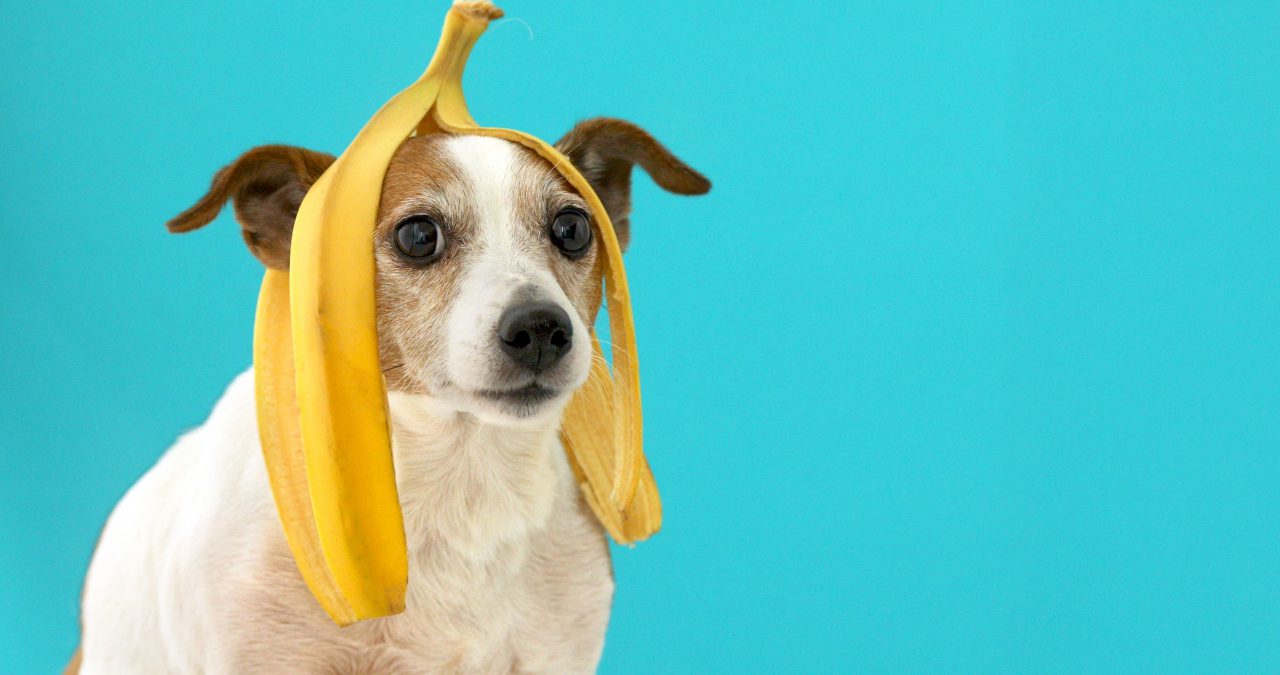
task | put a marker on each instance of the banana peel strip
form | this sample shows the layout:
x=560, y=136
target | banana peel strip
x=281, y=441
x=322, y=407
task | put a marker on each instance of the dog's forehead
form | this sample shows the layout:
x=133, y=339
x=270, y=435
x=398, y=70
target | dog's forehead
x=490, y=165
x=472, y=180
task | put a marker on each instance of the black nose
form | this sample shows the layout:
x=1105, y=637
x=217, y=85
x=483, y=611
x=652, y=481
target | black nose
x=536, y=335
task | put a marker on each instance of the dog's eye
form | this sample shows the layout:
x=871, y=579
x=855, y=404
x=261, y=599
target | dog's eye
x=420, y=239
x=571, y=231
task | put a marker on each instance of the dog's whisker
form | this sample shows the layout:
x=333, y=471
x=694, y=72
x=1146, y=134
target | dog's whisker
x=612, y=347
x=392, y=368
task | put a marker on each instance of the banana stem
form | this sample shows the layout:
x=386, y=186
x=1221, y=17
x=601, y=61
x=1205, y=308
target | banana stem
x=463, y=26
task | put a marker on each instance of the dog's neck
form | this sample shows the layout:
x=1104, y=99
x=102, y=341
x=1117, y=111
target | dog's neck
x=468, y=486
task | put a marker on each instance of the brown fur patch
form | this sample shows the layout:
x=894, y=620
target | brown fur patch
x=74, y=666
x=413, y=301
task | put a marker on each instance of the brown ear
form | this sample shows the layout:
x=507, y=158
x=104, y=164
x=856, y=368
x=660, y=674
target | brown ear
x=267, y=185
x=604, y=150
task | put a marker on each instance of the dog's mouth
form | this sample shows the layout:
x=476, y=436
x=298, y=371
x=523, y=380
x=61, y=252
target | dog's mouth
x=530, y=394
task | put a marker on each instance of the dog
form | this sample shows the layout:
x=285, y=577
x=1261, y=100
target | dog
x=488, y=282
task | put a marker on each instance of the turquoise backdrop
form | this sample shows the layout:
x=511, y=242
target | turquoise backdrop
x=970, y=362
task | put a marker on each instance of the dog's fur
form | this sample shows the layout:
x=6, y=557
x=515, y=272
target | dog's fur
x=509, y=570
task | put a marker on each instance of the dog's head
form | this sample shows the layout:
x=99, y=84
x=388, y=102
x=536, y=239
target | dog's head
x=488, y=268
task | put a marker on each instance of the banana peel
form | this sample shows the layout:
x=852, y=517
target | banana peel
x=322, y=406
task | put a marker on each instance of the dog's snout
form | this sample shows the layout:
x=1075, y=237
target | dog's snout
x=535, y=335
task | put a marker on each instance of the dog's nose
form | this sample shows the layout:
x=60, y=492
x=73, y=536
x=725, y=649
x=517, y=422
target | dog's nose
x=536, y=335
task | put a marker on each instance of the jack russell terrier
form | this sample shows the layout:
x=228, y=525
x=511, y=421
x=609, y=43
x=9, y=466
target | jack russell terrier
x=488, y=282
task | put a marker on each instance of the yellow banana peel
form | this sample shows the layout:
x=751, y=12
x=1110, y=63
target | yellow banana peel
x=322, y=405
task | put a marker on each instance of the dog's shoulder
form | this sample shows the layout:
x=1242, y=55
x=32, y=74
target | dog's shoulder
x=167, y=544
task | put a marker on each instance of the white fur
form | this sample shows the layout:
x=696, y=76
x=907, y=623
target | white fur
x=509, y=571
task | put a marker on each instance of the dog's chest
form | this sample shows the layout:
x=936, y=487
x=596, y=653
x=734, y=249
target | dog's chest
x=509, y=572
x=540, y=605
x=519, y=613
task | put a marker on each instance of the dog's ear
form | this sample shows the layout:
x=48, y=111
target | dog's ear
x=267, y=185
x=605, y=149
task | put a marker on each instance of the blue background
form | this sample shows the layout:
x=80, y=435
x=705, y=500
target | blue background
x=969, y=362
